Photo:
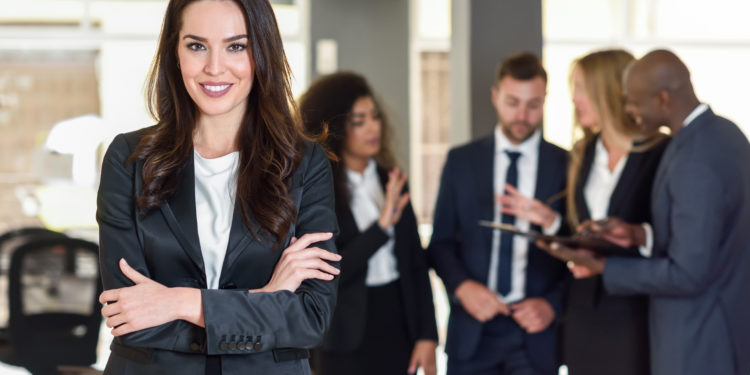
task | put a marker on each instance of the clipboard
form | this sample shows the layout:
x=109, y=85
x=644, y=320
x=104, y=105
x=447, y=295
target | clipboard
x=595, y=244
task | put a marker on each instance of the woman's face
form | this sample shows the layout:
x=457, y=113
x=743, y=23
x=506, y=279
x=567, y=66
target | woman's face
x=215, y=59
x=363, y=130
x=585, y=111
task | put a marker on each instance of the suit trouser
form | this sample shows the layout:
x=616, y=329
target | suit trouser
x=501, y=351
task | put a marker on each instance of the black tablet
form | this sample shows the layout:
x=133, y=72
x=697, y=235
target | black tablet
x=596, y=244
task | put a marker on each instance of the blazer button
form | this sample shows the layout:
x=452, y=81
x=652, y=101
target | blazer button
x=196, y=347
x=223, y=346
x=257, y=346
x=229, y=286
x=240, y=345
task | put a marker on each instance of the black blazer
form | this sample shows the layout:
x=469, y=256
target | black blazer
x=247, y=330
x=347, y=328
x=460, y=249
x=604, y=333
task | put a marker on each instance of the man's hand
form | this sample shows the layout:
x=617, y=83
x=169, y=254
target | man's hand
x=581, y=262
x=516, y=204
x=616, y=231
x=533, y=314
x=481, y=303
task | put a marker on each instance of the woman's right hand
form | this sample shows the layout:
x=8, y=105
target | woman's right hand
x=300, y=262
x=394, y=200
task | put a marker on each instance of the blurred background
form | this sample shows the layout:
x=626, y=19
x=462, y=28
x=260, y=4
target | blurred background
x=72, y=76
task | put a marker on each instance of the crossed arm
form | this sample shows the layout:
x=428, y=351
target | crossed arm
x=292, y=310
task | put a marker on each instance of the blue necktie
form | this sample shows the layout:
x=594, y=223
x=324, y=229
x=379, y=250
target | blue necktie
x=506, y=239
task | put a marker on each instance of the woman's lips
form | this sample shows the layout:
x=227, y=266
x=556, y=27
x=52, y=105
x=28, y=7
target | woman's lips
x=215, y=89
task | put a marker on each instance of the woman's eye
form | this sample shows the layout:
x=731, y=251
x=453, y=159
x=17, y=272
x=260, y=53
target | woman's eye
x=237, y=47
x=195, y=47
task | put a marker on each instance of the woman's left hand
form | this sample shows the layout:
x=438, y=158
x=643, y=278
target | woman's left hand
x=144, y=305
x=516, y=204
x=423, y=356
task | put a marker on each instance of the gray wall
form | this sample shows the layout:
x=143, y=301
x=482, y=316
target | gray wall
x=373, y=39
x=484, y=32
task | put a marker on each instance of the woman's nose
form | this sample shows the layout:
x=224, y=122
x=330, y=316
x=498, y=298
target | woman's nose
x=215, y=63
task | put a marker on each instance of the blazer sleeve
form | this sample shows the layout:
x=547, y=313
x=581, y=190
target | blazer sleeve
x=118, y=239
x=427, y=329
x=281, y=319
x=443, y=248
x=692, y=261
x=356, y=252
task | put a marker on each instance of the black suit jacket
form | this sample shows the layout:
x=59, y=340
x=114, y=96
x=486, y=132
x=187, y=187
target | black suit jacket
x=348, y=325
x=603, y=333
x=460, y=248
x=245, y=329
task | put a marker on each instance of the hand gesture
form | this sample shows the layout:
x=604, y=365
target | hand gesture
x=615, y=230
x=481, y=303
x=516, y=204
x=300, y=262
x=394, y=200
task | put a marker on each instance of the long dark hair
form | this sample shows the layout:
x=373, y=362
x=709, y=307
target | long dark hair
x=270, y=139
x=326, y=106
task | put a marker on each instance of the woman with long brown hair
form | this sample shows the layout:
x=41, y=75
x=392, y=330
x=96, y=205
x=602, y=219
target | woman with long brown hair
x=384, y=322
x=611, y=172
x=216, y=224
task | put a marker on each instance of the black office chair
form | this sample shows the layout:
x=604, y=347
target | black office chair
x=9, y=241
x=55, y=313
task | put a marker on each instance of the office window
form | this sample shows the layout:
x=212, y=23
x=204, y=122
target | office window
x=711, y=37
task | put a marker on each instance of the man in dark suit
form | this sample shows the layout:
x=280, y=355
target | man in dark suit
x=505, y=293
x=698, y=277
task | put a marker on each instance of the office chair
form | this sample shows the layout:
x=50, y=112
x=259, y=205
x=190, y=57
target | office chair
x=9, y=241
x=55, y=314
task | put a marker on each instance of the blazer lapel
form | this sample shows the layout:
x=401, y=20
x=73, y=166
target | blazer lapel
x=182, y=205
x=583, y=176
x=484, y=163
x=239, y=237
x=485, y=173
x=672, y=150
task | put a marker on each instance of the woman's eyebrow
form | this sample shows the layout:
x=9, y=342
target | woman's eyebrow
x=230, y=39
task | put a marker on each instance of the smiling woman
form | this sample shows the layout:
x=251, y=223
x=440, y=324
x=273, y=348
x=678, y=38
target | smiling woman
x=224, y=192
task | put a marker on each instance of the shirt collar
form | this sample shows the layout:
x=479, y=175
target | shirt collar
x=703, y=107
x=370, y=172
x=529, y=147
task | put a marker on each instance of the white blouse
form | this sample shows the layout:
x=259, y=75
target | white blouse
x=215, y=191
x=601, y=182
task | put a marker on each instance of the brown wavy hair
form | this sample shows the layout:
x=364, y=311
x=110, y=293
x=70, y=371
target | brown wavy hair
x=270, y=139
x=325, y=108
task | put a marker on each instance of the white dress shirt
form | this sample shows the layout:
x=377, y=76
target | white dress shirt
x=215, y=191
x=527, y=164
x=367, y=200
x=601, y=182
